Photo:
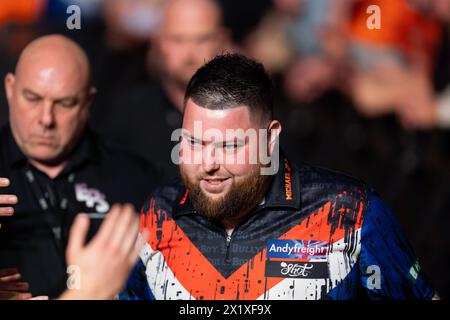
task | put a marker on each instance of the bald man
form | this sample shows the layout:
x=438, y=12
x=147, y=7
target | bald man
x=55, y=167
x=143, y=119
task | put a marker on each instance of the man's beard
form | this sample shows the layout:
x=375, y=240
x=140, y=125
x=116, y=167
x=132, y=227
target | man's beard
x=242, y=197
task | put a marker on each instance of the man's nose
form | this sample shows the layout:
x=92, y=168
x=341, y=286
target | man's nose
x=210, y=159
x=47, y=116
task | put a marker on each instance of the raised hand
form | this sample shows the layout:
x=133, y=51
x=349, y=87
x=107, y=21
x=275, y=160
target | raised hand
x=103, y=265
x=6, y=200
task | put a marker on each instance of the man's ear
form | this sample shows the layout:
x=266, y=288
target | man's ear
x=273, y=135
x=92, y=91
x=10, y=79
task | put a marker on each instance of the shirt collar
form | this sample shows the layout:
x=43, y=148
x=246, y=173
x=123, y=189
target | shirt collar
x=284, y=192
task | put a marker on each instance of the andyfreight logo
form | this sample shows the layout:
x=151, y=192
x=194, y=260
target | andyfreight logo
x=297, y=249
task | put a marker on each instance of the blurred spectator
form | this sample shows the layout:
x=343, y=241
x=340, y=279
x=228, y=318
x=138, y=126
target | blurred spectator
x=405, y=167
x=407, y=40
x=317, y=34
x=143, y=118
x=427, y=109
x=268, y=42
x=242, y=17
x=21, y=11
x=118, y=50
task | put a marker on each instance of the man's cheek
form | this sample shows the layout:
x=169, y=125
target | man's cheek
x=244, y=157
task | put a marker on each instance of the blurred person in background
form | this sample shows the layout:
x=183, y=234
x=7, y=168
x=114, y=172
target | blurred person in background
x=113, y=33
x=143, y=118
x=408, y=39
x=318, y=38
x=424, y=105
x=118, y=48
x=21, y=11
x=355, y=128
x=420, y=105
x=56, y=167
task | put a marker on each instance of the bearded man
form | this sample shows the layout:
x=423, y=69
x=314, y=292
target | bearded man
x=246, y=223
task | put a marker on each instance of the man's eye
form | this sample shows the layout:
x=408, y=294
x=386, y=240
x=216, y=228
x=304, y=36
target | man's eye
x=232, y=146
x=32, y=98
x=67, y=103
x=194, y=143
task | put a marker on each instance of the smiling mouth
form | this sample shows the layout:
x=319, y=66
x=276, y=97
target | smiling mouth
x=215, y=180
x=214, y=185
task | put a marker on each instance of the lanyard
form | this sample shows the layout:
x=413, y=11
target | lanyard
x=53, y=208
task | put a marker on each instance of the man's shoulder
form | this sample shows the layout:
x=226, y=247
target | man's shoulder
x=9, y=151
x=121, y=168
x=152, y=93
x=318, y=182
x=310, y=174
x=165, y=198
x=120, y=156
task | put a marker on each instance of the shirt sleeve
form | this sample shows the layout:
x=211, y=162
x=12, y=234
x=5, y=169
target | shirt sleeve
x=137, y=287
x=388, y=266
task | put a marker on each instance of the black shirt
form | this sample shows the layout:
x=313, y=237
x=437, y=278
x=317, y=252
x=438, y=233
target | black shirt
x=142, y=121
x=35, y=237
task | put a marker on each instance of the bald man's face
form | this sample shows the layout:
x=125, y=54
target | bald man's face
x=190, y=35
x=48, y=104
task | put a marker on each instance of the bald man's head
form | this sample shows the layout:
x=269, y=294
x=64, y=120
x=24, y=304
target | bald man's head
x=191, y=33
x=49, y=97
x=55, y=52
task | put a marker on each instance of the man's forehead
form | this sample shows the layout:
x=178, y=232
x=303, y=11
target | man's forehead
x=48, y=81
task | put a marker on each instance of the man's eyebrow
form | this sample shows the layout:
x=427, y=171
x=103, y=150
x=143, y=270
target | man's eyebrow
x=30, y=92
x=74, y=98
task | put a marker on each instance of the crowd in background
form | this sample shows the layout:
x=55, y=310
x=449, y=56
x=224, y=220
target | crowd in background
x=371, y=102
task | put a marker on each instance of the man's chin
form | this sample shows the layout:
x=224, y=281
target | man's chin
x=46, y=158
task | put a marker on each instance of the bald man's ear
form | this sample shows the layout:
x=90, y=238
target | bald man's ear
x=92, y=91
x=10, y=79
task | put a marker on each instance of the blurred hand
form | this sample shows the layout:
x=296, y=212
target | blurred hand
x=418, y=109
x=378, y=90
x=104, y=263
x=289, y=7
x=6, y=199
x=308, y=78
x=10, y=286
